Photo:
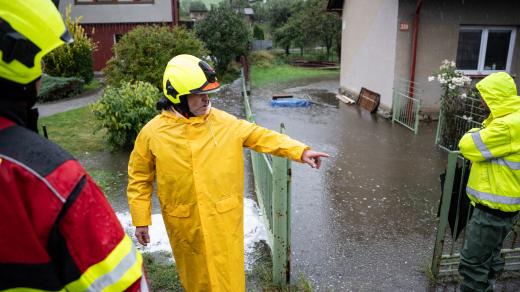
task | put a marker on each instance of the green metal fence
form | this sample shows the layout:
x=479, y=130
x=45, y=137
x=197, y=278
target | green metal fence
x=405, y=108
x=272, y=178
x=456, y=117
x=446, y=253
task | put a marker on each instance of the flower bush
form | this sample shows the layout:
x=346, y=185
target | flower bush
x=457, y=97
x=453, y=82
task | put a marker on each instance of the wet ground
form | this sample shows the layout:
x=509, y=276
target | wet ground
x=366, y=220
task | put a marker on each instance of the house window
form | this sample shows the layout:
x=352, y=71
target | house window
x=483, y=50
x=80, y=2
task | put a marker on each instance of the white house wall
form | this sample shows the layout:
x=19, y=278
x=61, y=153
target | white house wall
x=159, y=11
x=368, y=47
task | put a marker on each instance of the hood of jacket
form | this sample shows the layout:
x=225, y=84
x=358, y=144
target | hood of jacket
x=499, y=92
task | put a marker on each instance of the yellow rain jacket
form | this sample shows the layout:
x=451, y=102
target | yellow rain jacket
x=494, y=180
x=199, y=167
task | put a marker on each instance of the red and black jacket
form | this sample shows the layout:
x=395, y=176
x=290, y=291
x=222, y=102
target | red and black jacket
x=57, y=230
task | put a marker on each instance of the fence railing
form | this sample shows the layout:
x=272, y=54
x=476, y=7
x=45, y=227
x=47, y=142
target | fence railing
x=272, y=179
x=456, y=117
x=454, y=214
x=405, y=108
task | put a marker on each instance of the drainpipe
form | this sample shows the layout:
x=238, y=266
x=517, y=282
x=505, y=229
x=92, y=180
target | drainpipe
x=175, y=12
x=414, y=47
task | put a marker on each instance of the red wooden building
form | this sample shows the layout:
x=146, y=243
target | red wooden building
x=105, y=21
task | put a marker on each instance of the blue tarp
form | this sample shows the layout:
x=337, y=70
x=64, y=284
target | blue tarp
x=290, y=102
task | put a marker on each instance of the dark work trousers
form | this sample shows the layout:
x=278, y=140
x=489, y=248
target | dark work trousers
x=480, y=259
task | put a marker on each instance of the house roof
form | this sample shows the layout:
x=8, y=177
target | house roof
x=335, y=5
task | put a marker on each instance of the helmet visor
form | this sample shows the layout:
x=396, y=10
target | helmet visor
x=207, y=88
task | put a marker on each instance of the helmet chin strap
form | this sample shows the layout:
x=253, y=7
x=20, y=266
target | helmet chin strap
x=183, y=108
x=17, y=101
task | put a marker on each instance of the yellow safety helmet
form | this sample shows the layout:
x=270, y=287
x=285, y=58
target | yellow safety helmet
x=187, y=74
x=29, y=29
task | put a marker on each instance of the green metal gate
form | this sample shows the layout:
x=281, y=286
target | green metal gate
x=446, y=253
x=272, y=178
x=405, y=108
x=456, y=117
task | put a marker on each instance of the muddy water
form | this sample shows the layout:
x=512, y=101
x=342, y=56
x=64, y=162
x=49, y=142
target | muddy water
x=366, y=220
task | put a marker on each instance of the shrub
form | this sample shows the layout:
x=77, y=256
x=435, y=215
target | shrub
x=262, y=59
x=124, y=110
x=142, y=54
x=258, y=33
x=74, y=60
x=55, y=88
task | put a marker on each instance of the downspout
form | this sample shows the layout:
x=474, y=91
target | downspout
x=415, y=35
x=175, y=12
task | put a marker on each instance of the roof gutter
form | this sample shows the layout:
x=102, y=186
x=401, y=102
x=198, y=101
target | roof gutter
x=415, y=35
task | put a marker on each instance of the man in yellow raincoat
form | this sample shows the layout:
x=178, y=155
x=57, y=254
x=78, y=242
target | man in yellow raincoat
x=494, y=182
x=195, y=153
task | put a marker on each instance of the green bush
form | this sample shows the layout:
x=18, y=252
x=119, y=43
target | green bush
x=142, y=54
x=55, y=88
x=74, y=60
x=124, y=110
x=262, y=59
x=258, y=33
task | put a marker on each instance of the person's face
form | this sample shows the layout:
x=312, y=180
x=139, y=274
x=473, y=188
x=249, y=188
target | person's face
x=199, y=104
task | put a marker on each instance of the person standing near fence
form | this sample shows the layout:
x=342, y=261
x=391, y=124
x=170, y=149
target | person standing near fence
x=494, y=182
x=195, y=154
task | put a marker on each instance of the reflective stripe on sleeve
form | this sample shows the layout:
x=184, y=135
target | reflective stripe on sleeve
x=481, y=146
x=509, y=164
x=120, y=269
x=493, y=197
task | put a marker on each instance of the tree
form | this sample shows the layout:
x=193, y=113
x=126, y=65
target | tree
x=260, y=10
x=226, y=35
x=198, y=6
x=323, y=26
x=279, y=12
x=258, y=33
x=142, y=54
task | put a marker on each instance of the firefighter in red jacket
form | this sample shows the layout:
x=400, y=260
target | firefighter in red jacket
x=58, y=232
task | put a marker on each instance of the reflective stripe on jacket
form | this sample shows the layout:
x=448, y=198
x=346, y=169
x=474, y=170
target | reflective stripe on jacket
x=495, y=150
x=59, y=233
x=199, y=168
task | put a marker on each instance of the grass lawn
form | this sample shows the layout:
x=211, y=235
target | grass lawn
x=94, y=84
x=162, y=276
x=286, y=73
x=74, y=131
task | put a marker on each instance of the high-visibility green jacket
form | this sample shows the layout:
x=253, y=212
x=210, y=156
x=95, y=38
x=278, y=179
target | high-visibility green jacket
x=494, y=180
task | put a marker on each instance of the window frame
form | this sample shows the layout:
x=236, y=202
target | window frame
x=483, y=48
x=113, y=2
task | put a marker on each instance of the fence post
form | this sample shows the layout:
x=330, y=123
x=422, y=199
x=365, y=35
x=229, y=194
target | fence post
x=445, y=208
x=416, y=113
x=281, y=220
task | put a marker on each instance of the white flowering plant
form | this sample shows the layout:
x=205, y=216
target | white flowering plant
x=459, y=100
x=453, y=82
